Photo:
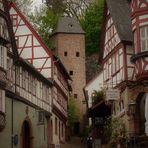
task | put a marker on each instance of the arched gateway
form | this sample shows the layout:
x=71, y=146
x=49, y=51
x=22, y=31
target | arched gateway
x=26, y=135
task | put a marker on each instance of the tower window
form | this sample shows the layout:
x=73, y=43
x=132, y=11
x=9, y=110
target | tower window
x=71, y=72
x=65, y=53
x=77, y=54
x=75, y=96
x=56, y=126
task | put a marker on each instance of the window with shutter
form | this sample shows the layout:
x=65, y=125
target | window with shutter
x=144, y=38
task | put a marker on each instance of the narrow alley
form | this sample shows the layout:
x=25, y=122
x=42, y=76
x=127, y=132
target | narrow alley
x=75, y=142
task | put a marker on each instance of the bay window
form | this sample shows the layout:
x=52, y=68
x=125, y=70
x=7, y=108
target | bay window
x=144, y=38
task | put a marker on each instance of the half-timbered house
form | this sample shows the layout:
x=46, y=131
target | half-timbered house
x=31, y=48
x=5, y=41
x=115, y=54
x=25, y=94
x=123, y=56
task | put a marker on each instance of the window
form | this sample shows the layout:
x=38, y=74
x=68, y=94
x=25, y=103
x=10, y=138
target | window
x=62, y=130
x=1, y=5
x=3, y=55
x=9, y=69
x=18, y=75
x=23, y=79
x=3, y=29
x=59, y=130
x=14, y=20
x=65, y=53
x=56, y=126
x=144, y=38
x=77, y=54
x=41, y=117
x=75, y=96
x=2, y=100
x=71, y=72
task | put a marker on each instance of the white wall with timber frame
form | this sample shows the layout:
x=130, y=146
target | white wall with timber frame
x=116, y=57
x=30, y=45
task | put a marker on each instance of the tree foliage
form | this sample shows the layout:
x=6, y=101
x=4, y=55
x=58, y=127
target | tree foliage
x=91, y=23
x=24, y=5
x=44, y=20
x=72, y=113
x=88, y=13
x=97, y=96
x=73, y=8
x=115, y=130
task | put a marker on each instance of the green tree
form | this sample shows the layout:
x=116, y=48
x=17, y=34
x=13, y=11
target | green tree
x=97, y=96
x=24, y=5
x=44, y=20
x=73, y=8
x=72, y=113
x=91, y=22
x=115, y=130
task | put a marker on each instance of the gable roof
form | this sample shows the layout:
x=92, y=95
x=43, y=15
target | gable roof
x=68, y=25
x=33, y=31
x=120, y=13
x=30, y=27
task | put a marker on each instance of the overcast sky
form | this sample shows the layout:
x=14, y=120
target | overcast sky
x=37, y=3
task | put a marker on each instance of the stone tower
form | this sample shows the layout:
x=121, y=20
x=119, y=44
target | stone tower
x=68, y=39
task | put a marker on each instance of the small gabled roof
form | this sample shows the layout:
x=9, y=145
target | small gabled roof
x=68, y=25
x=120, y=13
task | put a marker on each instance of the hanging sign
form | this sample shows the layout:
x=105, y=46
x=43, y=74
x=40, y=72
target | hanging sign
x=112, y=94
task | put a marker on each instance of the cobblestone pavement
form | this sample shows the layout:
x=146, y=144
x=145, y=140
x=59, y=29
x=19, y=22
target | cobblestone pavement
x=75, y=142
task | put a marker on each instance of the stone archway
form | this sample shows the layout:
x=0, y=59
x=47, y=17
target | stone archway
x=141, y=111
x=26, y=135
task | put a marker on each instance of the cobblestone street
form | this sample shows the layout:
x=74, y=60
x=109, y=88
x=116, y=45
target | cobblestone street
x=75, y=142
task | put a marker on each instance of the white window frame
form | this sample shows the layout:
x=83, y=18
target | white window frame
x=144, y=38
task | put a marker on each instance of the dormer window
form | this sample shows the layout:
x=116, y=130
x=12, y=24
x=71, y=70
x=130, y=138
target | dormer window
x=144, y=38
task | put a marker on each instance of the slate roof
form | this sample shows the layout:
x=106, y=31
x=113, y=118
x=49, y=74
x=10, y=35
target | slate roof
x=120, y=12
x=68, y=25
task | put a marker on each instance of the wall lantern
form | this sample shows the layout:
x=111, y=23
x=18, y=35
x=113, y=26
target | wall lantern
x=132, y=108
